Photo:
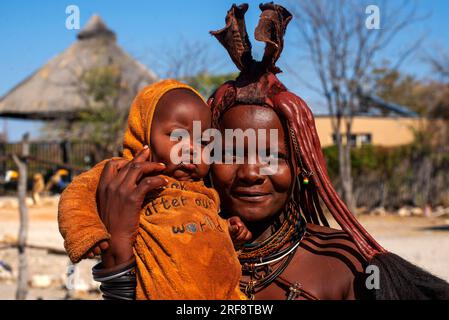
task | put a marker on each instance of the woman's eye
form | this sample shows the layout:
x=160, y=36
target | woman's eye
x=277, y=156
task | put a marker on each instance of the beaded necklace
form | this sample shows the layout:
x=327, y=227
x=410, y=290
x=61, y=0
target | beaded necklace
x=259, y=260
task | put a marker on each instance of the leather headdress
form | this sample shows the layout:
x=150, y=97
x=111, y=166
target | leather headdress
x=257, y=83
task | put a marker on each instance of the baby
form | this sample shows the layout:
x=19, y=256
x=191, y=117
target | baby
x=183, y=248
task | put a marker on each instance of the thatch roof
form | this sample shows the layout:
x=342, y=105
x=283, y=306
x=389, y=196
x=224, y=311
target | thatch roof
x=53, y=92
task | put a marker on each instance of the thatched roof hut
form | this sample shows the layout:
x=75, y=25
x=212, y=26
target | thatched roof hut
x=52, y=92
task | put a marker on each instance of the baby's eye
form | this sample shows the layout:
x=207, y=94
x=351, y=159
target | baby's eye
x=178, y=134
x=174, y=137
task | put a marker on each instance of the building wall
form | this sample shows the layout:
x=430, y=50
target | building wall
x=385, y=131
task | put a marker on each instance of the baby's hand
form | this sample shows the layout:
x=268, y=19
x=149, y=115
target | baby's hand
x=97, y=249
x=239, y=232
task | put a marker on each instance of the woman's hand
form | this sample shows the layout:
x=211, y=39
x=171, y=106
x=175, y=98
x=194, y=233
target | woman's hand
x=121, y=191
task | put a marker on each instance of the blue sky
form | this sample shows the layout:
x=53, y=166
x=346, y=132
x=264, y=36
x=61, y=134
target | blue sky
x=32, y=32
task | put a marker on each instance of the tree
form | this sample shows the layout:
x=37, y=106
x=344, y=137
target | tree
x=393, y=86
x=206, y=83
x=193, y=63
x=430, y=99
x=343, y=51
x=440, y=65
x=103, y=119
x=21, y=163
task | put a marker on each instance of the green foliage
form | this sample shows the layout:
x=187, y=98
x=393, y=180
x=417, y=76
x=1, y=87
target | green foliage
x=411, y=174
x=421, y=97
x=102, y=83
x=103, y=119
x=206, y=83
x=331, y=156
x=363, y=159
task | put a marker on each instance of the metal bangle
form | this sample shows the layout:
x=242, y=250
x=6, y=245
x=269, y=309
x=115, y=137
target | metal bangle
x=112, y=276
x=119, y=284
x=111, y=296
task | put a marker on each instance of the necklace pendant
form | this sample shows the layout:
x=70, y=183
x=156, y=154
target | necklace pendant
x=249, y=290
x=295, y=291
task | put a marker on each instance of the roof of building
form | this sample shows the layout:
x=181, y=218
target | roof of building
x=53, y=91
x=373, y=105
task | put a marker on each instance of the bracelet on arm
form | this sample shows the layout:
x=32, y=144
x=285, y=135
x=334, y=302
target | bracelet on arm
x=117, y=283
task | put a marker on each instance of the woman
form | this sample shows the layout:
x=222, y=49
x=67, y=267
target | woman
x=294, y=254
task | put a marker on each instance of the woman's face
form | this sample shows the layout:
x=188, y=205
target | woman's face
x=243, y=190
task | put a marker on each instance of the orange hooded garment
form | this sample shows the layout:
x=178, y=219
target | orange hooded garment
x=183, y=249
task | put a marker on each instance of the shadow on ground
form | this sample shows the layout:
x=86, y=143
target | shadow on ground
x=443, y=227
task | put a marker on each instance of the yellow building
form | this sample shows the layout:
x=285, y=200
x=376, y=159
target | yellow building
x=375, y=130
x=378, y=122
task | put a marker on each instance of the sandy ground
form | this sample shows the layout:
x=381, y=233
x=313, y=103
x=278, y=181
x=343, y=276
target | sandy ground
x=423, y=241
x=43, y=231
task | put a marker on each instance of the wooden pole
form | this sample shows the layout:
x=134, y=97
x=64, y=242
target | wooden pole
x=3, y=156
x=21, y=163
x=65, y=150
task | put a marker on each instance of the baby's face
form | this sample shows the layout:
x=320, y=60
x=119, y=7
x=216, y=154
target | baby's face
x=178, y=109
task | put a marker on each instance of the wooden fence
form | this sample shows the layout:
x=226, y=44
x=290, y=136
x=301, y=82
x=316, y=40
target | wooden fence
x=46, y=158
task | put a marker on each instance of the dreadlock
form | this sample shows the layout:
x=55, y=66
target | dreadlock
x=257, y=84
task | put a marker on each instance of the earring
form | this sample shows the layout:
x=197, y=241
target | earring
x=306, y=175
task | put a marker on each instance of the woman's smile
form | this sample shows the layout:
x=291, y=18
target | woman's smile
x=250, y=195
